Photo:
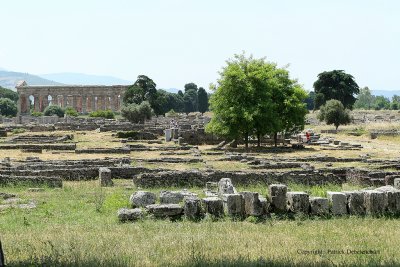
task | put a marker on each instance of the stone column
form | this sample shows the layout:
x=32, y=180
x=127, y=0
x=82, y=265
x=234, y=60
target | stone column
x=75, y=102
x=84, y=104
x=100, y=102
x=65, y=100
x=93, y=103
x=36, y=103
x=54, y=100
x=23, y=104
x=112, y=103
x=45, y=103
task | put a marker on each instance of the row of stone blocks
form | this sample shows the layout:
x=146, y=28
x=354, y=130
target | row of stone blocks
x=380, y=201
x=238, y=205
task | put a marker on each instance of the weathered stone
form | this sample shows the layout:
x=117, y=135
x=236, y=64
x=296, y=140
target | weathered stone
x=392, y=199
x=234, y=205
x=277, y=197
x=142, y=199
x=298, y=202
x=374, y=202
x=170, y=197
x=105, y=177
x=35, y=189
x=355, y=202
x=337, y=203
x=129, y=214
x=264, y=204
x=319, y=206
x=225, y=186
x=192, y=208
x=396, y=183
x=389, y=179
x=252, y=204
x=213, y=206
x=165, y=210
x=7, y=195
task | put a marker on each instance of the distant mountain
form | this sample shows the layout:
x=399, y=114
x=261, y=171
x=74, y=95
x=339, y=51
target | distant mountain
x=9, y=79
x=387, y=94
x=84, y=79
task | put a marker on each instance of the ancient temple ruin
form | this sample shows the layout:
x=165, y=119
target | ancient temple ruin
x=83, y=98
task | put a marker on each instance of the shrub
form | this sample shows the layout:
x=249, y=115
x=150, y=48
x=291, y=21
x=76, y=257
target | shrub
x=107, y=114
x=129, y=134
x=37, y=113
x=70, y=111
x=137, y=113
x=54, y=110
x=18, y=130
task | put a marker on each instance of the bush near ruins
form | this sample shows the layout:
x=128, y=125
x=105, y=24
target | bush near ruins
x=333, y=112
x=8, y=108
x=54, y=110
x=10, y=94
x=70, y=111
x=137, y=113
x=107, y=114
x=254, y=98
x=36, y=113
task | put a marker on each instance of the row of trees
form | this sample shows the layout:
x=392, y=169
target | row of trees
x=366, y=100
x=253, y=98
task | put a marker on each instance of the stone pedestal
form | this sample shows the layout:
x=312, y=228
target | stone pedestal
x=105, y=177
x=213, y=206
x=277, y=197
x=374, y=202
x=338, y=203
x=192, y=208
x=319, y=206
x=252, y=204
x=298, y=202
x=234, y=205
x=168, y=135
x=225, y=186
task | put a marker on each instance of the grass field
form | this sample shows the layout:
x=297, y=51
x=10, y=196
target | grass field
x=77, y=226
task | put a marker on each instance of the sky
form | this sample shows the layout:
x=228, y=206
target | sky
x=180, y=41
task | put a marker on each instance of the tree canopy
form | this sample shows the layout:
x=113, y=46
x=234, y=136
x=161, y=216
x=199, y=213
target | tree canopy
x=337, y=85
x=10, y=94
x=202, y=99
x=8, y=107
x=137, y=113
x=54, y=110
x=255, y=97
x=333, y=112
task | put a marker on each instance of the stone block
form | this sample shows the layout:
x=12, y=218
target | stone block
x=391, y=199
x=298, y=202
x=213, y=206
x=374, y=202
x=319, y=206
x=170, y=197
x=129, y=214
x=234, y=205
x=142, y=199
x=396, y=183
x=277, y=197
x=165, y=210
x=252, y=204
x=264, y=204
x=337, y=203
x=225, y=186
x=105, y=177
x=355, y=202
x=389, y=179
x=192, y=208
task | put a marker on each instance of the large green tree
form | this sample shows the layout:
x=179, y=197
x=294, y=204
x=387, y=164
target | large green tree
x=7, y=93
x=190, y=86
x=190, y=101
x=202, y=98
x=137, y=113
x=254, y=97
x=337, y=85
x=8, y=107
x=365, y=100
x=333, y=112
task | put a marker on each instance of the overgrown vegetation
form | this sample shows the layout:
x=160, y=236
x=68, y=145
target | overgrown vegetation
x=107, y=114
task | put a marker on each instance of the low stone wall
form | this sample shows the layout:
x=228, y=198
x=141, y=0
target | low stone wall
x=30, y=180
x=197, y=178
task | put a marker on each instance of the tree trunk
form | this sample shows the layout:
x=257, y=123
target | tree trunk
x=2, y=262
x=246, y=140
x=258, y=140
x=276, y=139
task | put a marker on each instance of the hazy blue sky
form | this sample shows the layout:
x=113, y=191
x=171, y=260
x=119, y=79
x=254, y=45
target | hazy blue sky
x=180, y=41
